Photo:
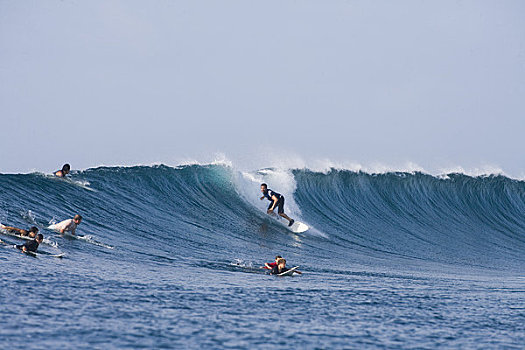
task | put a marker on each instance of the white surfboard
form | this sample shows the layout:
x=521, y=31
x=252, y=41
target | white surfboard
x=85, y=238
x=298, y=227
x=33, y=254
x=27, y=238
x=289, y=272
x=12, y=234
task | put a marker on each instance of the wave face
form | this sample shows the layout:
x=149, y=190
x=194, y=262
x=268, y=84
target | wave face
x=175, y=257
x=455, y=219
x=214, y=211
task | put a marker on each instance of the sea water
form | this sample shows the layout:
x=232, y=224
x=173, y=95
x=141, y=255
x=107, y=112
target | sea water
x=391, y=261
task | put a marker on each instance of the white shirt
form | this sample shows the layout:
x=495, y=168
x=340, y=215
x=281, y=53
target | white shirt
x=66, y=225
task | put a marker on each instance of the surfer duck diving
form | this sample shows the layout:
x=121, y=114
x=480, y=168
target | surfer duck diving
x=277, y=200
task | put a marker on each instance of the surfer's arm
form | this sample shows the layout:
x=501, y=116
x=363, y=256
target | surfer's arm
x=275, y=200
x=10, y=228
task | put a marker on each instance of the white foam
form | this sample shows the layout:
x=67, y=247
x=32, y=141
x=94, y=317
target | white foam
x=280, y=180
x=218, y=159
x=29, y=217
x=473, y=172
x=268, y=158
x=242, y=263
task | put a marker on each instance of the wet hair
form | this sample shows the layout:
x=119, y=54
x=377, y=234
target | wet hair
x=39, y=236
x=265, y=185
x=66, y=167
x=278, y=257
x=281, y=261
x=77, y=217
x=33, y=229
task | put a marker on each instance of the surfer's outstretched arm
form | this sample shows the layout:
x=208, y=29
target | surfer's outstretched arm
x=14, y=229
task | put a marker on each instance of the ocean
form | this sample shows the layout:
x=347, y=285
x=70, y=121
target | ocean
x=171, y=259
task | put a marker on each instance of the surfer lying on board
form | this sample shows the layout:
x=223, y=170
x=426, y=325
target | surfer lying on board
x=31, y=246
x=67, y=225
x=277, y=200
x=281, y=267
x=64, y=171
x=31, y=233
x=271, y=265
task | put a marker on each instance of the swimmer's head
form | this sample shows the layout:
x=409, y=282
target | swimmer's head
x=66, y=168
x=77, y=219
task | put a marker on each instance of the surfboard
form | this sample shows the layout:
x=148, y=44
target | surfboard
x=85, y=238
x=27, y=238
x=11, y=234
x=33, y=254
x=298, y=227
x=289, y=272
x=79, y=183
x=60, y=256
x=36, y=255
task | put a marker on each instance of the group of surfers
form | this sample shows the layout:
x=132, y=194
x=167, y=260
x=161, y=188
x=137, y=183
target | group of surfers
x=69, y=225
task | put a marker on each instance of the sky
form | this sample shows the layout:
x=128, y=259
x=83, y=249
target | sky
x=431, y=85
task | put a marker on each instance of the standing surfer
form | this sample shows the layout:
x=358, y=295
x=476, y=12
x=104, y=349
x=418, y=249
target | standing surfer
x=277, y=200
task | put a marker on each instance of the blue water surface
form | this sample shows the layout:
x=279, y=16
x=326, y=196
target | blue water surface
x=171, y=259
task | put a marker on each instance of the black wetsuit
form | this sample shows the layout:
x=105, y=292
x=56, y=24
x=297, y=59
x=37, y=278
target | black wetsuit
x=280, y=200
x=31, y=246
x=275, y=270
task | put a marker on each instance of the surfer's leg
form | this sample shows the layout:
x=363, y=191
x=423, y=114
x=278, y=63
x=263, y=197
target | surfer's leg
x=285, y=216
x=280, y=210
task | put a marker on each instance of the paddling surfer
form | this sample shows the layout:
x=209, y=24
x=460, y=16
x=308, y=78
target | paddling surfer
x=64, y=171
x=281, y=267
x=271, y=265
x=277, y=200
x=31, y=246
x=31, y=233
x=67, y=225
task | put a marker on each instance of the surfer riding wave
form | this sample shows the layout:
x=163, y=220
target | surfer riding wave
x=277, y=200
